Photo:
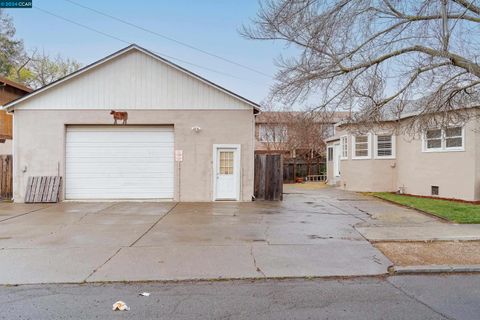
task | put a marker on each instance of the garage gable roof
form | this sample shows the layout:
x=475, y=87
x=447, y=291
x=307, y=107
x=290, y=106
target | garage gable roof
x=11, y=105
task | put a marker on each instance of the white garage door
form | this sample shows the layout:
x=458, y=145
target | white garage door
x=119, y=162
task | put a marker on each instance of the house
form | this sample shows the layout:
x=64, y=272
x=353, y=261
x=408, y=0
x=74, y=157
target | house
x=299, y=137
x=440, y=162
x=9, y=91
x=187, y=139
x=275, y=129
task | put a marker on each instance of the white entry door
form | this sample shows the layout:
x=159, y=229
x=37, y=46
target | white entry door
x=226, y=173
x=119, y=162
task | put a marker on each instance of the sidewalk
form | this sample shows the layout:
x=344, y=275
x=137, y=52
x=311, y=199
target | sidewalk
x=418, y=242
x=427, y=232
x=390, y=222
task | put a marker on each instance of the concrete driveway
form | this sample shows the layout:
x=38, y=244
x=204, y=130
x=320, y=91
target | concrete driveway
x=309, y=234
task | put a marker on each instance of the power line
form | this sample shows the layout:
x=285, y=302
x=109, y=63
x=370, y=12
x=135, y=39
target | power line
x=129, y=43
x=168, y=38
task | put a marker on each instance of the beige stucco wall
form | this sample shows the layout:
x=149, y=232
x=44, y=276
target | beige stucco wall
x=454, y=172
x=6, y=147
x=369, y=175
x=40, y=144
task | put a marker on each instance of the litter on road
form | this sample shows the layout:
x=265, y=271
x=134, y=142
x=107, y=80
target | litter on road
x=145, y=294
x=120, y=306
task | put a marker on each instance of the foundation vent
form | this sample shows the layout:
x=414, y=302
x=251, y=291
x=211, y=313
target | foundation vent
x=435, y=190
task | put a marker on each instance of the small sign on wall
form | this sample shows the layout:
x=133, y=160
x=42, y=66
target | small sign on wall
x=179, y=155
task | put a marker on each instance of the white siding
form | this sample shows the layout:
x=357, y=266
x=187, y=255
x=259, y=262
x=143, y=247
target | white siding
x=119, y=162
x=133, y=80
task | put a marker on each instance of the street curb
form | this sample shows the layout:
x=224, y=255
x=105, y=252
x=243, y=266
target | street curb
x=429, y=240
x=203, y=280
x=433, y=268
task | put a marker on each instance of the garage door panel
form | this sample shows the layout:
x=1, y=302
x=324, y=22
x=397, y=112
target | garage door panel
x=127, y=154
x=147, y=171
x=130, y=145
x=114, y=182
x=122, y=162
x=124, y=137
x=118, y=161
x=121, y=152
x=120, y=195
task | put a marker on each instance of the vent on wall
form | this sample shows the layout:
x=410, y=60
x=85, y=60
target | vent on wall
x=435, y=190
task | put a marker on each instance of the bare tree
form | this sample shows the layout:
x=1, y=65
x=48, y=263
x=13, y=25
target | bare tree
x=307, y=132
x=273, y=129
x=375, y=56
x=300, y=135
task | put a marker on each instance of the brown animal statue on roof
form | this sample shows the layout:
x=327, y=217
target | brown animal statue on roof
x=123, y=116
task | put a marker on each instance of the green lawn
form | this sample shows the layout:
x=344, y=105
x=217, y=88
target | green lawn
x=451, y=210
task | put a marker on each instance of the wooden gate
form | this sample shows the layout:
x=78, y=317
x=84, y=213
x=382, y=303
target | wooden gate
x=6, y=179
x=268, y=177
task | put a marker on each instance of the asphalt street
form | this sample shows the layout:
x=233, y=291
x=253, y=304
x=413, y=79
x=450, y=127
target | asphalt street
x=398, y=297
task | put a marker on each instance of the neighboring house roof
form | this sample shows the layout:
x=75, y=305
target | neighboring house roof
x=9, y=106
x=283, y=116
x=5, y=81
x=408, y=110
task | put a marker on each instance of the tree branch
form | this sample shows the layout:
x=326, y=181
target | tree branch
x=468, y=5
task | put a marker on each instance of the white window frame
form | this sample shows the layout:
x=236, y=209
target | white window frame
x=369, y=147
x=444, y=140
x=329, y=149
x=375, y=147
x=261, y=135
x=344, y=147
x=271, y=136
x=443, y=147
x=425, y=140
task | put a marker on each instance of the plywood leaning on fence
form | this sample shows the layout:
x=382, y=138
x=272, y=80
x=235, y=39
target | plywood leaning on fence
x=43, y=189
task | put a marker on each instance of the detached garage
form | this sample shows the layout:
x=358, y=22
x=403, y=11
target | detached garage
x=187, y=139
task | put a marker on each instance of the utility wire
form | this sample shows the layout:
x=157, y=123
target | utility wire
x=129, y=43
x=169, y=38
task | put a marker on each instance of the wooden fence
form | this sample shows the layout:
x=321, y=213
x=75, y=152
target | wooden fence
x=6, y=178
x=300, y=169
x=268, y=177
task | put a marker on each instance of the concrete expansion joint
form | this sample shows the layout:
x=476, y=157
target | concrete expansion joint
x=96, y=269
x=345, y=212
x=257, y=268
x=23, y=214
x=153, y=225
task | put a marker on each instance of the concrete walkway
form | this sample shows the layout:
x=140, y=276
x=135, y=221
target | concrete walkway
x=390, y=222
x=310, y=234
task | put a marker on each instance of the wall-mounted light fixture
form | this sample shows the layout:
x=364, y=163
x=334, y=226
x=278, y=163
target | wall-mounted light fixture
x=197, y=129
